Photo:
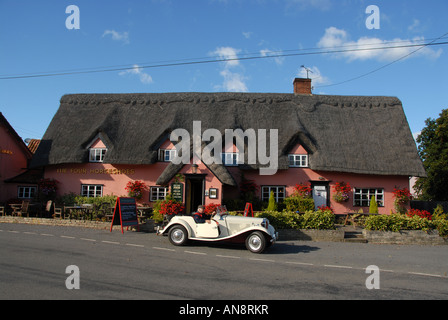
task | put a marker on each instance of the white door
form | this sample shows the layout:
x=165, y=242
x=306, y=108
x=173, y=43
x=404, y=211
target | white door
x=320, y=196
x=207, y=230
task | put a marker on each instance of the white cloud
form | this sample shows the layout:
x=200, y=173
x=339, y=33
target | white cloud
x=117, y=36
x=316, y=76
x=360, y=49
x=228, y=53
x=232, y=81
x=137, y=70
x=247, y=35
x=267, y=53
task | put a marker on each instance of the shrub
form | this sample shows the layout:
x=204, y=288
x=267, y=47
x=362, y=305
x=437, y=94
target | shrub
x=299, y=204
x=272, y=206
x=373, y=208
x=292, y=220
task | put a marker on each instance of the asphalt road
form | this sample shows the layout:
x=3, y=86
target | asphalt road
x=134, y=265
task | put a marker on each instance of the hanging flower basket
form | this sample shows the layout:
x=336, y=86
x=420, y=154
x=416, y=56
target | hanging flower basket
x=342, y=192
x=135, y=189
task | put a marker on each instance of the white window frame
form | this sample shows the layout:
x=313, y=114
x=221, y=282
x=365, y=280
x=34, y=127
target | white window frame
x=26, y=192
x=97, y=154
x=266, y=193
x=230, y=159
x=167, y=155
x=362, y=196
x=91, y=190
x=298, y=160
x=158, y=193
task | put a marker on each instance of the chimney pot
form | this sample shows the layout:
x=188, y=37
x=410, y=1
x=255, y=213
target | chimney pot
x=302, y=86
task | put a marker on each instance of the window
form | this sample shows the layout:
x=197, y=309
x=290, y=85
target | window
x=279, y=193
x=26, y=192
x=230, y=159
x=166, y=155
x=97, y=154
x=91, y=190
x=158, y=193
x=298, y=160
x=362, y=197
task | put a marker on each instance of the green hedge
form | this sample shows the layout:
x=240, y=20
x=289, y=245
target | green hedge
x=291, y=220
x=299, y=204
x=397, y=222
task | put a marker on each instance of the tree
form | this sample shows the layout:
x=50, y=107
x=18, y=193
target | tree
x=373, y=208
x=433, y=150
x=272, y=206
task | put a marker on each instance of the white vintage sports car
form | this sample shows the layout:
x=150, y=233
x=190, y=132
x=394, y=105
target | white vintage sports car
x=256, y=233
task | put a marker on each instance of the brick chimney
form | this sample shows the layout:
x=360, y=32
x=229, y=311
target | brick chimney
x=302, y=86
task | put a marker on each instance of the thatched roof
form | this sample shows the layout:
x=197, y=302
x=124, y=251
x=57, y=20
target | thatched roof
x=356, y=134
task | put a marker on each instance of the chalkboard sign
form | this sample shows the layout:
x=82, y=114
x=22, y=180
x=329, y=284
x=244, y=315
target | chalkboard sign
x=177, y=191
x=125, y=213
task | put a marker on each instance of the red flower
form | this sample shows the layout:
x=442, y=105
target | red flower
x=420, y=213
x=171, y=207
x=303, y=190
x=210, y=208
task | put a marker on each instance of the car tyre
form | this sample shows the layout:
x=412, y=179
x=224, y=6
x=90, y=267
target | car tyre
x=256, y=242
x=178, y=235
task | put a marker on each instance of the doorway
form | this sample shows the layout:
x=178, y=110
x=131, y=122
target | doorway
x=320, y=194
x=195, y=186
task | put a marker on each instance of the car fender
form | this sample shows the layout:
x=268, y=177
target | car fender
x=176, y=221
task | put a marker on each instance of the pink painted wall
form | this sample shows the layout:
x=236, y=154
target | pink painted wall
x=13, y=161
x=115, y=177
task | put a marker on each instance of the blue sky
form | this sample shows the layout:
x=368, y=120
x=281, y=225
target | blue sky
x=133, y=34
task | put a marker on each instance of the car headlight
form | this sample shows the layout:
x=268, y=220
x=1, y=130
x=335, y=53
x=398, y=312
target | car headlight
x=265, y=223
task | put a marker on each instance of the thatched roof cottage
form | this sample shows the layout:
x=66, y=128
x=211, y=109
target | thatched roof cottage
x=96, y=143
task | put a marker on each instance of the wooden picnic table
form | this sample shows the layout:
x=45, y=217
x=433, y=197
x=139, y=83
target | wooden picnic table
x=350, y=215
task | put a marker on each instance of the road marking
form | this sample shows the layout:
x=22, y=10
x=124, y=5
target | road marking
x=12, y=231
x=334, y=266
x=193, y=252
x=300, y=263
x=47, y=235
x=85, y=239
x=165, y=249
x=265, y=260
x=67, y=237
x=426, y=274
x=110, y=242
x=135, y=245
x=230, y=257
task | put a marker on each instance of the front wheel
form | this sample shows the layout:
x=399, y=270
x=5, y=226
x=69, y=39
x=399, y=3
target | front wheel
x=178, y=235
x=256, y=242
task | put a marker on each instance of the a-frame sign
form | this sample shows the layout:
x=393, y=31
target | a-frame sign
x=125, y=213
x=248, y=209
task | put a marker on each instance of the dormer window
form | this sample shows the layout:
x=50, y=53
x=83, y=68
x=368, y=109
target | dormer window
x=167, y=155
x=230, y=159
x=298, y=160
x=97, y=151
x=97, y=154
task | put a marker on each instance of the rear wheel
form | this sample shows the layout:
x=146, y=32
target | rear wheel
x=256, y=242
x=178, y=235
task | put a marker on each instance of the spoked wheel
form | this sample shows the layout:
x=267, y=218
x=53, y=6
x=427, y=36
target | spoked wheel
x=178, y=235
x=256, y=242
